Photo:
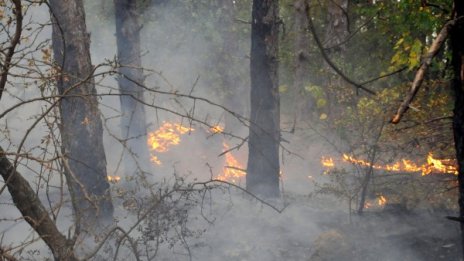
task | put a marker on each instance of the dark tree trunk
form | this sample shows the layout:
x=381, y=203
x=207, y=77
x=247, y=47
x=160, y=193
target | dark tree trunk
x=81, y=126
x=263, y=159
x=131, y=79
x=457, y=48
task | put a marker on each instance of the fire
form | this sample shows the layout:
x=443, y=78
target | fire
x=169, y=135
x=166, y=136
x=443, y=166
x=216, y=129
x=327, y=162
x=113, y=179
x=234, y=170
x=382, y=200
x=432, y=165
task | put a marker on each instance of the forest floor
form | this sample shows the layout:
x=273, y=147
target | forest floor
x=306, y=232
x=390, y=234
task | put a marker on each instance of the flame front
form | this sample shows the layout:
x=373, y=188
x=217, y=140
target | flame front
x=233, y=170
x=432, y=165
x=166, y=136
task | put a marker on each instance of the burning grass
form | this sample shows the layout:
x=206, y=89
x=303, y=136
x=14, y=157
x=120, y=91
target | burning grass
x=432, y=165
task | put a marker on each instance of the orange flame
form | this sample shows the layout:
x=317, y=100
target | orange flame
x=216, y=129
x=432, y=165
x=436, y=165
x=169, y=134
x=166, y=136
x=234, y=170
x=327, y=162
x=382, y=200
x=113, y=179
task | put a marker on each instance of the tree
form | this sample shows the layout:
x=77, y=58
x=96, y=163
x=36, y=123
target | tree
x=130, y=81
x=301, y=52
x=81, y=127
x=457, y=83
x=264, y=138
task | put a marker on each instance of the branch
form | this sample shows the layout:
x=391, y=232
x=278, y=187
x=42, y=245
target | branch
x=4, y=255
x=419, y=78
x=262, y=201
x=28, y=203
x=13, y=43
x=327, y=58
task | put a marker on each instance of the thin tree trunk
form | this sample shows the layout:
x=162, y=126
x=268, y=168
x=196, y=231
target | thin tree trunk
x=336, y=31
x=457, y=48
x=301, y=63
x=33, y=211
x=131, y=79
x=81, y=126
x=370, y=170
x=263, y=159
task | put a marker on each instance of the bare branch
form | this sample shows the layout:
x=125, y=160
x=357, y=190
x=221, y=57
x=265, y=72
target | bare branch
x=327, y=58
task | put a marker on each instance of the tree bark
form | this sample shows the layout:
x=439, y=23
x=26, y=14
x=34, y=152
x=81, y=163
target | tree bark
x=263, y=159
x=33, y=211
x=457, y=49
x=81, y=126
x=131, y=80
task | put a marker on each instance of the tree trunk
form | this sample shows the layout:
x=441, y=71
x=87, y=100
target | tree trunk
x=301, y=45
x=263, y=159
x=131, y=79
x=336, y=32
x=457, y=48
x=81, y=126
x=33, y=211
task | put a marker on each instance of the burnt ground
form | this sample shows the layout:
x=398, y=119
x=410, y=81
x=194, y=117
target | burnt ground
x=390, y=234
x=310, y=229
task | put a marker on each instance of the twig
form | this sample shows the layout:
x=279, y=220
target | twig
x=262, y=201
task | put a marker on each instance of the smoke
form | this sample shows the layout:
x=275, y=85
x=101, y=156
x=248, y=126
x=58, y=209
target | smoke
x=181, y=50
